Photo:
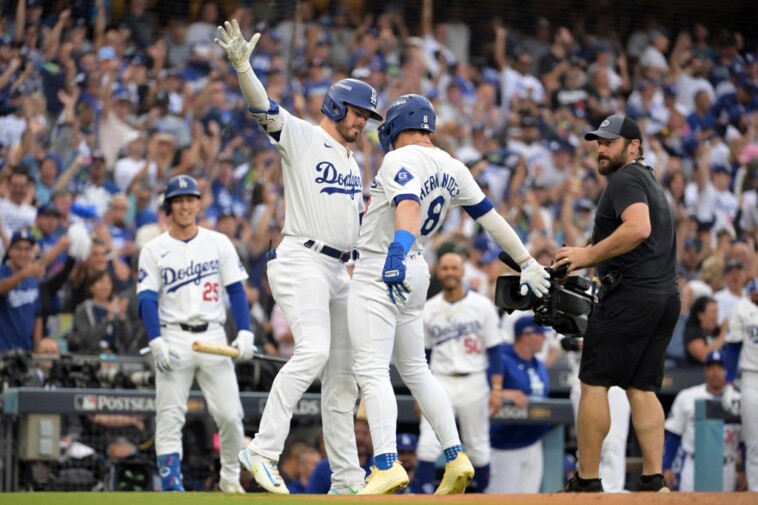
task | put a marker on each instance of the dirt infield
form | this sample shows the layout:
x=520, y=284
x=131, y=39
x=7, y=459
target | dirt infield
x=302, y=499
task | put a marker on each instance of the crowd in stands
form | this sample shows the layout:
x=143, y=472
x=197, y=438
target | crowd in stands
x=100, y=108
x=102, y=102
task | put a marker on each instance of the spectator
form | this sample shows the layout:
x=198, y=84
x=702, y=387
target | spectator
x=20, y=321
x=320, y=480
x=100, y=322
x=702, y=334
x=16, y=213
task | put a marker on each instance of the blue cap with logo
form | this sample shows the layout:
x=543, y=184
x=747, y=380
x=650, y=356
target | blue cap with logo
x=406, y=442
x=714, y=357
x=526, y=324
x=20, y=235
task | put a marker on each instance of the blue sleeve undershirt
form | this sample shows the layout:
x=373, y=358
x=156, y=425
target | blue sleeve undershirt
x=495, y=360
x=238, y=301
x=670, y=447
x=148, y=312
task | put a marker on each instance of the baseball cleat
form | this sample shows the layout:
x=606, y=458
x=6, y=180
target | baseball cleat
x=386, y=481
x=655, y=484
x=591, y=485
x=346, y=491
x=458, y=473
x=231, y=487
x=264, y=470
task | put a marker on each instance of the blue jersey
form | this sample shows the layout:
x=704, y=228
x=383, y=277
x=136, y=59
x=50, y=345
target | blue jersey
x=18, y=310
x=531, y=378
x=321, y=478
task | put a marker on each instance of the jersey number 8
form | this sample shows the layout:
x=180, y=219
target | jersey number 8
x=433, y=217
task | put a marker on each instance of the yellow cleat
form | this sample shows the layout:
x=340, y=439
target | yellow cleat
x=386, y=481
x=458, y=473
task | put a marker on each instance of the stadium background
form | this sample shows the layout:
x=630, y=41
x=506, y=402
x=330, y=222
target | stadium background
x=520, y=18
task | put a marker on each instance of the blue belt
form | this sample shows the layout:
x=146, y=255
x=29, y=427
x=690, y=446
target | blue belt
x=344, y=257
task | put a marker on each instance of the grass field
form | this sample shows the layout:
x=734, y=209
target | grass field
x=469, y=499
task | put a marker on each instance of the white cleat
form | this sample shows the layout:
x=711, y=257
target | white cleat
x=264, y=470
x=346, y=491
x=231, y=487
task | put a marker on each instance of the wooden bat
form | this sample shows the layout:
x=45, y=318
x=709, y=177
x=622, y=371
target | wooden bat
x=361, y=415
x=232, y=352
x=221, y=350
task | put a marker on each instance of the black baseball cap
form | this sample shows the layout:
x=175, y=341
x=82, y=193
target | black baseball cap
x=616, y=127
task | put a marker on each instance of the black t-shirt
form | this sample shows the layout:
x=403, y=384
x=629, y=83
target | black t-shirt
x=692, y=333
x=651, y=266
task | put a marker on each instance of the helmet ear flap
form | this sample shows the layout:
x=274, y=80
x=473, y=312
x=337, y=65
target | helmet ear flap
x=329, y=106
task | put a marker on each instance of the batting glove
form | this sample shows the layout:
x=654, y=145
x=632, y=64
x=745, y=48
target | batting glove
x=393, y=274
x=534, y=278
x=238, y=50
x=161, y=354
x=245, y=343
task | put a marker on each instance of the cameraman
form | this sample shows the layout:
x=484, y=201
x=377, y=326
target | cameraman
x=634, y=249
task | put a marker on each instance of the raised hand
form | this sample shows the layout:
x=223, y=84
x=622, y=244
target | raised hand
x=238, y=50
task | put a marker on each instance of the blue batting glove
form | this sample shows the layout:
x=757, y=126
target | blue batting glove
x=393, y=274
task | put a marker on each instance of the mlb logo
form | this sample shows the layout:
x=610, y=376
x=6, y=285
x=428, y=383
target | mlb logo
x=85, y=402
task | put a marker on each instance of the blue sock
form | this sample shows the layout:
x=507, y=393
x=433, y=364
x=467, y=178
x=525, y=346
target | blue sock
x=170, y=471
x=384, y=461
x=481, y=478
x=423, y=478
x=452, y=452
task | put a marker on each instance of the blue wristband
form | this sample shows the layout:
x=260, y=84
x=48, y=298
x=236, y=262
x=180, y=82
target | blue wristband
x=405, y=239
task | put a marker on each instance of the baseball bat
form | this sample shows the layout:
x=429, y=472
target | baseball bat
x=221, y=350
x=361, y=415
x=232, y=352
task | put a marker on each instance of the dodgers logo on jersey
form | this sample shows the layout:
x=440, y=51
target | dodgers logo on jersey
x=174, y=279
x=454, y=331
x=347, y=184
x=142, y=275
x=403, y=176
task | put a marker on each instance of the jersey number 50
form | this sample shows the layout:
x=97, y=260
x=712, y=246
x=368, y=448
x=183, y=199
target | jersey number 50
x=433, y=217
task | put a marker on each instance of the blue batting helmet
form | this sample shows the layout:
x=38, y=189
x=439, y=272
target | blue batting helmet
x=408, y=112
x=349, y=92
x=178, y=186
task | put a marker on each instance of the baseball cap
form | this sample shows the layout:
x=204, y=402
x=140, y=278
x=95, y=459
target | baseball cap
x=751, y=286
x=616, y=127
x=719, y=167
x=406, y=442
x=527, y=324
x=584, y=204
x=48, y=209
x=20, y=235
x=714, y=357
x=492, y=254
x=106, y=53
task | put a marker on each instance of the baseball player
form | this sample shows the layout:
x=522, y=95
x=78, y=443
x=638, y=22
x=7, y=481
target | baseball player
x=181, y=276
x=517, y=463
x=679, y=453
x=414, y=189
x=307, y=273
x=743, y=335
x=461, y=334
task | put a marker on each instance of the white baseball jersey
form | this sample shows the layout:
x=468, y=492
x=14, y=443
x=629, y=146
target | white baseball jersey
x=430, y=176
x=189, y=277
x=322, y=182
x=743, y=327
x=681, y=420
x=460, y=332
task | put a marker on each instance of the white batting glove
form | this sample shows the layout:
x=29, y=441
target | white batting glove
x=238, y=50
x=534, y=278
x=245, y=342
x=161, y=354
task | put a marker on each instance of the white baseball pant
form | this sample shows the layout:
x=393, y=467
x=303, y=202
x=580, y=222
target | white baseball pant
x=613, y=452
x=469, y=397
x=687, y=475
x=312, y=290
x=749, y=409
x=216, y=378
x=380, y=332
x=516, y=470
